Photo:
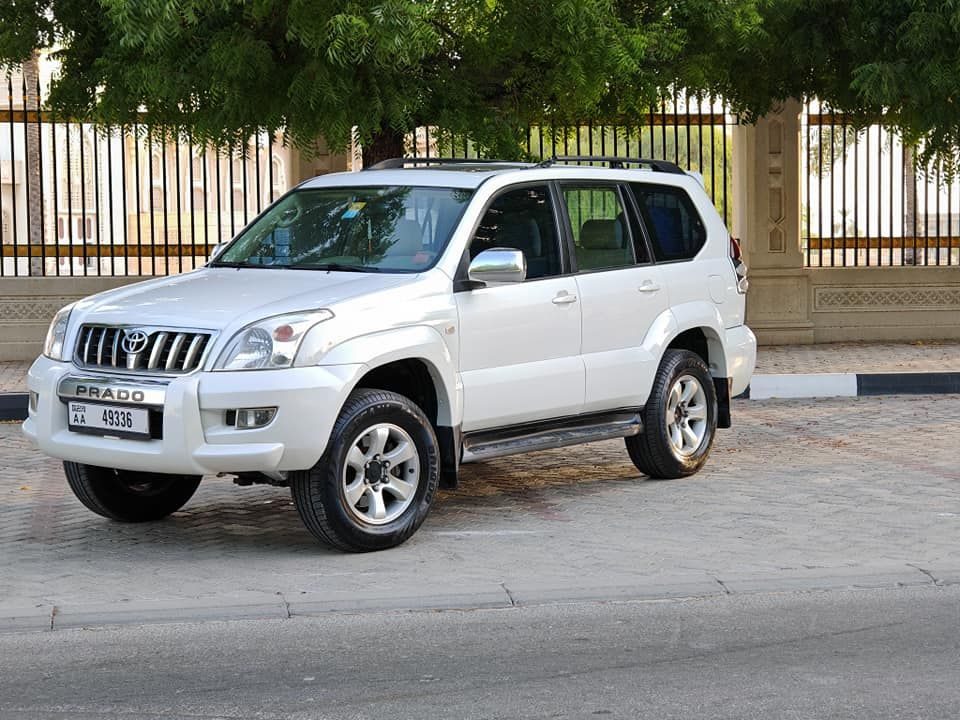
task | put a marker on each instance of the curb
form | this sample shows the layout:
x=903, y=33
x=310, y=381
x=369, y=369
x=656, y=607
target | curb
x=823, y=385
x=13, y=406
x=44, y=617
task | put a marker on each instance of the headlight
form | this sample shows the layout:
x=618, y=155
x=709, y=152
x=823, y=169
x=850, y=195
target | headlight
x=57, y=333
x=269, y=344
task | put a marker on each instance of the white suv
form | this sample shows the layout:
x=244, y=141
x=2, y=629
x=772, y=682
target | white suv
x=371, y=331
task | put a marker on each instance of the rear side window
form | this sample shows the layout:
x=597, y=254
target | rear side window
x=675, y=228
x=601, y=238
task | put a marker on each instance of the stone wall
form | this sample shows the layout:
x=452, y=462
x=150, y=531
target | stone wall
x=28, y=304
x=789, y=303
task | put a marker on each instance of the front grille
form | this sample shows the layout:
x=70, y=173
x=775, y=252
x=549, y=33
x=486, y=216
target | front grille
x=165, y=350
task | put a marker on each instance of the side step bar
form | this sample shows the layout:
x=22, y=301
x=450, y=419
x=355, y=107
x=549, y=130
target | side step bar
x=549, y=434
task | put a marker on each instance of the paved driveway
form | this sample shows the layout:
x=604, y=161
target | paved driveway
x=800, y=494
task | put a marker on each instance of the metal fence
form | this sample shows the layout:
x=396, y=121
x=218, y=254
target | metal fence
x=76, y=199
x=693, y=132
x=865, y=202
x=79, y=200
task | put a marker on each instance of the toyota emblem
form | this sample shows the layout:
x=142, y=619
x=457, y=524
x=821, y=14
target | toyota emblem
x=134, y=341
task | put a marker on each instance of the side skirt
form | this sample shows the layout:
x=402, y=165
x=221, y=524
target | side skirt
x=549, y=434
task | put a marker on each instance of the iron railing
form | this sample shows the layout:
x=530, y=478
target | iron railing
x=81, y=200
x=76, y=199
x=695, y=133
x=865, y=202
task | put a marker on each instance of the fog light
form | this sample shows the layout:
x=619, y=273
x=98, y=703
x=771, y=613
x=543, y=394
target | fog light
x=248, y=418
x=34, y=399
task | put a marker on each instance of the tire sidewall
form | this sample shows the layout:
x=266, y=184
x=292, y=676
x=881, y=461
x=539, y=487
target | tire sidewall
x=677, y=366
x=347, y=429
x=107, y=492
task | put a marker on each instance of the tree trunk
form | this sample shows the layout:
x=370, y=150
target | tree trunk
x=31, y=101
x=386, y=144
x=909, y=206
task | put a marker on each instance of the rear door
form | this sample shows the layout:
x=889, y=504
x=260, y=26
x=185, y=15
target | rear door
x=620, y=290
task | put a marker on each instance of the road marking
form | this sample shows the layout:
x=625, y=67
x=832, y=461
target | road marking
x=763, y=387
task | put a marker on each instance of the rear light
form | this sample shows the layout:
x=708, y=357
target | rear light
x=736, y=254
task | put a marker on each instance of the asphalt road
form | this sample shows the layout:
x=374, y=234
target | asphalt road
x=875, y=654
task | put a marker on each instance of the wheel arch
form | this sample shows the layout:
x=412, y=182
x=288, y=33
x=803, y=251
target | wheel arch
x=417, y=352
x=704, y=342
x=416, y=363
x=699, y=329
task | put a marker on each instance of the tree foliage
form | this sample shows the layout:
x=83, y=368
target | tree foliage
x=890, y=61
x=223, y=69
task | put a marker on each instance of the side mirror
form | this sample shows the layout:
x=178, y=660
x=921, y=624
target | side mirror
x=498, y=265
x=217, y=251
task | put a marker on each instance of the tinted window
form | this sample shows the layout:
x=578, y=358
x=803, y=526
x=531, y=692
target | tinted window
x=601, y=237
x=675, y=228
x=372, y=229
x=522, y=219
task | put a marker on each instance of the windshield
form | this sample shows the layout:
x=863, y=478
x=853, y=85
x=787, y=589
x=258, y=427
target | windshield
x=360, y=229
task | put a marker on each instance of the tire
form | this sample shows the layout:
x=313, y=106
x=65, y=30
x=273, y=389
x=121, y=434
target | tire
x=337, y=498
x=656, y=451
x=128, y=496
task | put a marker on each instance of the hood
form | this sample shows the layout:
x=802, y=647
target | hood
x=213, y=298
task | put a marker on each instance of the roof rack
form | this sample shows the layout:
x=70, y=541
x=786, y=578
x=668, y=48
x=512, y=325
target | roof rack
x=617, y=163
x=401, y=162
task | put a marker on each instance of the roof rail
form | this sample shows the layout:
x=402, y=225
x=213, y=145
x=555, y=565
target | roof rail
x=401, y=162
x=617, y=163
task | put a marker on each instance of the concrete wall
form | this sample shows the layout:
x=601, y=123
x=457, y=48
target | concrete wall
x=28, y=304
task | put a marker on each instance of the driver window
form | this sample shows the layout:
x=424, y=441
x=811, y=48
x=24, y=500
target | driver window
x=522, y=219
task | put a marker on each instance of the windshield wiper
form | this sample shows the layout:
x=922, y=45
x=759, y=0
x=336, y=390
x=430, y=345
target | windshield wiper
x=338, y=267
x=216, y=264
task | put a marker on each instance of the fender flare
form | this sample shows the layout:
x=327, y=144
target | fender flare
x=690, y=316
x=416, y=342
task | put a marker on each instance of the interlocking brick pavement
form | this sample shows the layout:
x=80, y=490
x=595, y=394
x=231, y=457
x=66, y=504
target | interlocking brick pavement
x=926, y=356
x=849, y=486
x=13, y=377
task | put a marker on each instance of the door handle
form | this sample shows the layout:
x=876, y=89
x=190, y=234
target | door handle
x=648, y=287
x=564, y=298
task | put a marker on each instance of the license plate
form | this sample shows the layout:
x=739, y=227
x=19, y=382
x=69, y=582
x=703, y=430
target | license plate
x=108, y=420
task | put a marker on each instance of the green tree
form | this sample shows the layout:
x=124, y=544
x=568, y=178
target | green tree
x=892, y=60
x=223, y=69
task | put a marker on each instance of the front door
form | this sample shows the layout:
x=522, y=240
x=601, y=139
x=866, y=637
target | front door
x=520, y=342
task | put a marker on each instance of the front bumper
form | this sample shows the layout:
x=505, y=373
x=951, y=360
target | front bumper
x=195, y=438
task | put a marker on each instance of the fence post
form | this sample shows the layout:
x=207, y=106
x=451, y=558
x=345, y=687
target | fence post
x=766, y=217
x=305, y=164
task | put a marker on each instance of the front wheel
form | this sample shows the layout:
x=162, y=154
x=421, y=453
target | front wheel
x=373, y=486
x=129, y=496
x=679, y=419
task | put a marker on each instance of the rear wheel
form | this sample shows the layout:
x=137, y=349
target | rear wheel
x=679, y=419
x=129, y=496
x=373, y=486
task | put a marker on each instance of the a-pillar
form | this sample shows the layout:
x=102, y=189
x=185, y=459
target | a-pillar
x=766, y=218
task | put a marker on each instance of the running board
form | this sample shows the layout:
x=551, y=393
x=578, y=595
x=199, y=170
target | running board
x=549, y=434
